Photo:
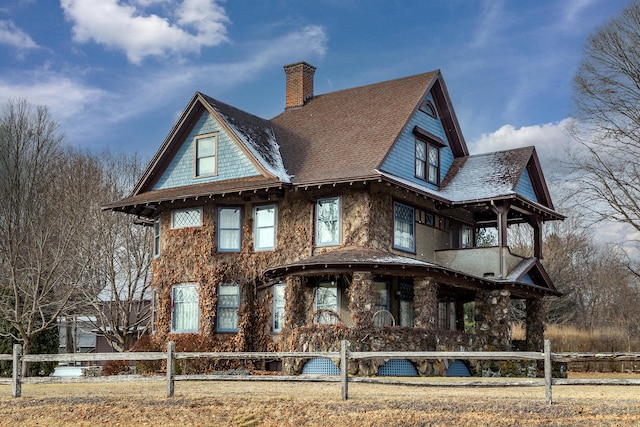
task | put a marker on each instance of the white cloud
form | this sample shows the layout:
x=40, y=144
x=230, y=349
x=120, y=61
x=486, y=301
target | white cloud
x=551, y=141
x=14, y=36
x=129, y=27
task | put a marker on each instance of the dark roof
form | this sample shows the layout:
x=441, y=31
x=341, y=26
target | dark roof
x=352, y=258
x=347, y=134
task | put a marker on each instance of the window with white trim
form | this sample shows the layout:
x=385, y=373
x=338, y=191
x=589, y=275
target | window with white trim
x=278, y=306
x=185, y=311
x=466, y=237
x=229, y=229
x=403, y=227
x=265, y=227
x=326, y=301
x=189, y=217
x=328, y=221
x=206, y=147
x=228, y=305
x=156, y=236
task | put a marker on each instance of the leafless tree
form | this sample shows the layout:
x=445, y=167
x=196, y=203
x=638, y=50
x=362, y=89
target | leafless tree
x=119, y=291
x=42, y=220
x=607, y=100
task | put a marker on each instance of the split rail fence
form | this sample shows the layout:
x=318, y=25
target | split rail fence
x=344, y=355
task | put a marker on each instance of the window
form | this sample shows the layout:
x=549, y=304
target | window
x=228, y=304
x=327, y=303
x=229, y=229
x=278, y=306
x=156, y=236
x=403, y=227
x=206, y=147
x=406, y=304
x=428, y=155
x=381, y=292
x=428, y=108
x=154, y=310
x=190, y=217
x=328, y=221
x=265, y=227
x=447, y=315
x=185, y=311
x=466, y=237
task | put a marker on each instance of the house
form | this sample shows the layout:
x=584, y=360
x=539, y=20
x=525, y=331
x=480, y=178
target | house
x=351, y=215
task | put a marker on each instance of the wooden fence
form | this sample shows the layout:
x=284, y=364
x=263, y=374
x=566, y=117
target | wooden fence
x=344, y=355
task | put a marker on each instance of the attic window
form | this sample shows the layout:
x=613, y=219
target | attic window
x=427, y=155
x=428, y=108
x=206, y=147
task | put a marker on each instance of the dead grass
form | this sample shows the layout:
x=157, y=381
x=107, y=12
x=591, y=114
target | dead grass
x=245, y=404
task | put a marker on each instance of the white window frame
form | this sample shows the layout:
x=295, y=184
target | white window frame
x=262, y=227
x=198, y=157
x=321, y=222
x=278, y=306
x=178, y=305
x=398, y=241
x=156, y=236
x=466, y=236
x=238, y=228
x=226, y=306
x=175, y=212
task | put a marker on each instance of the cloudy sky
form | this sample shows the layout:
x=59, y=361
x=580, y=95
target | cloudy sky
x=116, y=73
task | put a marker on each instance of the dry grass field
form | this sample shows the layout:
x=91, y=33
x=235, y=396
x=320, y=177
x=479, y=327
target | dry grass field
x=232, y=403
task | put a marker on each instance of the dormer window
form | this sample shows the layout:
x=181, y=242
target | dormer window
x=427, y=155
x=206, y=154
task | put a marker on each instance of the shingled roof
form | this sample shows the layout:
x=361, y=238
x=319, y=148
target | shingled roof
x=346, y=134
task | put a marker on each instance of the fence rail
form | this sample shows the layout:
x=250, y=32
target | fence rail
x=344, y=355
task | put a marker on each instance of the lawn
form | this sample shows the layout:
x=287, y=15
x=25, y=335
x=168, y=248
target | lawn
x=233, y=403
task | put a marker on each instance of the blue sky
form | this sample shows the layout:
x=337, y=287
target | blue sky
x=116, y=73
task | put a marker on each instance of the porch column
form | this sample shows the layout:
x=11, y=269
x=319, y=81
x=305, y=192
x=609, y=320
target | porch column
x=361, y=299
x=493, y=319
x=536, y=311
x=536, y=223
x=425, y=303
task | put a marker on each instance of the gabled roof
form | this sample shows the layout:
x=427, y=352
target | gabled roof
x=253, y=134
x=529, y=274
x=492, y=175
x=347, y=134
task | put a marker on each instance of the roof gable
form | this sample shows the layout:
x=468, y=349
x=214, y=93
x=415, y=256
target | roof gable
x=246, y=147
x=348, y=134
x=531, y=272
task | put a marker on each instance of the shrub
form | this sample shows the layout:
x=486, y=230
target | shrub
x=116, y=367
x=146, y=343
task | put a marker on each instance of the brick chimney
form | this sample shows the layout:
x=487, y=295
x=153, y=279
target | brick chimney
x=299, y=84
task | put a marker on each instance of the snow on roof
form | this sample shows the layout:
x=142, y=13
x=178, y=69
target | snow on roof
x=257, y=136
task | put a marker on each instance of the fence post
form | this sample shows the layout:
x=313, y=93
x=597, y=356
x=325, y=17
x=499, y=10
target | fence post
x=344, y=369
x=547, y=371
x=16, y=384
x=171, y=348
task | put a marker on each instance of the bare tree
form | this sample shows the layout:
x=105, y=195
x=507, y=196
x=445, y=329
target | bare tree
x=42, y=221
x=119, y=291
x=607, y=100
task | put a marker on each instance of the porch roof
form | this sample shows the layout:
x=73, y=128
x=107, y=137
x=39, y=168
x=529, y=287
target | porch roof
x=353, y=258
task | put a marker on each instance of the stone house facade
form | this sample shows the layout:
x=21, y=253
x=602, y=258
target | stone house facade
x=351, y=215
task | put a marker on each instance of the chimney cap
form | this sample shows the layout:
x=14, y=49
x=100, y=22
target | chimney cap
x=299, y=63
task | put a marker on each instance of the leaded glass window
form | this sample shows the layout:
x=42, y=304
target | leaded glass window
x=191, y=217
x=403, y=227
